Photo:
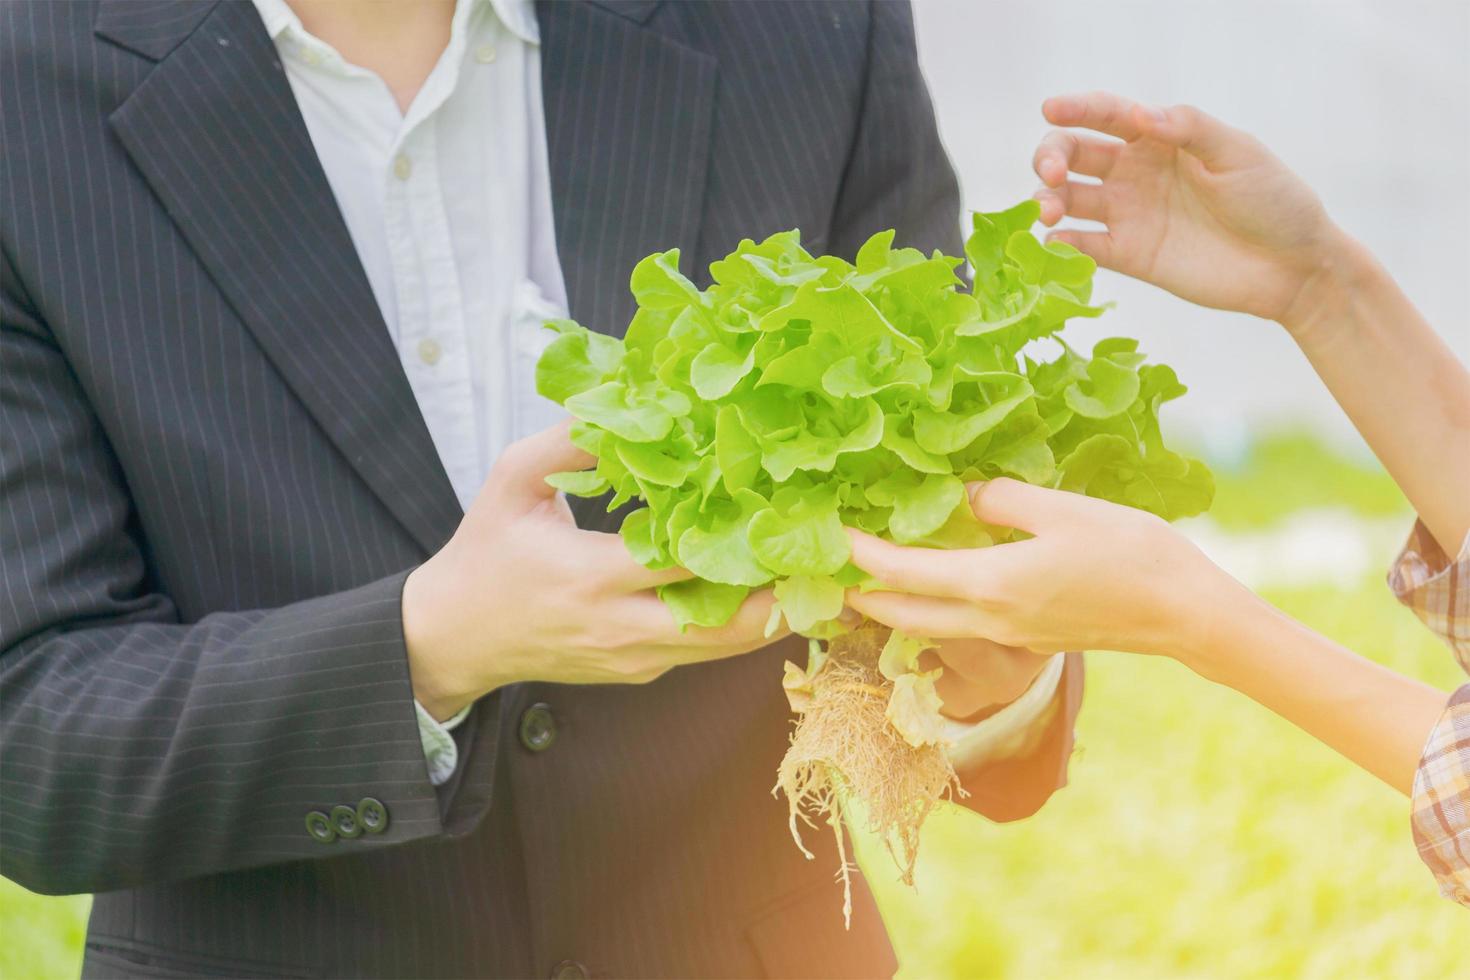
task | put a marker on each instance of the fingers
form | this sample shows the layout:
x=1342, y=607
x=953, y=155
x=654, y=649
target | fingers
x=605, y=556
x=978, y=658
x=746, y=630
x=1097, y=244
x=962, y=698
x=980, y=672
x=1011, y=503
x=918, y=615
x=650, y=625
x=1101, y=112
x=1061, y=151
x=929, y=571
x=1195, y=132
x=1180, y=126
x=1003, y=672
x=1073, y=198
x=519, y=475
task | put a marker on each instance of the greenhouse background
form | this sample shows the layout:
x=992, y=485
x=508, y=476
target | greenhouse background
x=1200, y=837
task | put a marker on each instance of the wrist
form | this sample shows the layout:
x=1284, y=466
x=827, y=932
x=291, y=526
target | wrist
x=1173, y=622
x=1227, y=623
x=437, y=686
x=1322, y=306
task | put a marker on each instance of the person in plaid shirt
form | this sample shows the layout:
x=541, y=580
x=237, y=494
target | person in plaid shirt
x=1437, y=588
x=1208, y=213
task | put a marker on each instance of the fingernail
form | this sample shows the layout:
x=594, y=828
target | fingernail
x=849, y=617
x=1155, y=113
x=1057, y=108
x=972, y=490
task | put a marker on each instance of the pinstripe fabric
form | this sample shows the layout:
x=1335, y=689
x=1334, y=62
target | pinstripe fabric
x=214, y=476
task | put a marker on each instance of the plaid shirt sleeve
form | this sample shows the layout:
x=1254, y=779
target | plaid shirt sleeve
x=1437, y=588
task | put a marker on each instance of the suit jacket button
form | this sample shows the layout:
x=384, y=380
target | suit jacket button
x=372, y=815
x=319, y=827
x=344, y=822
x=569, y=970
x=538, y=727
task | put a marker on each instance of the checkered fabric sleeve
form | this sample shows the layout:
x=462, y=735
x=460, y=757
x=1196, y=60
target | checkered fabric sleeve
x=1438, y=590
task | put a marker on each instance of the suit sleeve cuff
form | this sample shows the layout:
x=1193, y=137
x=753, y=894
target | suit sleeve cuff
x=1007, y=732
x=440, y=752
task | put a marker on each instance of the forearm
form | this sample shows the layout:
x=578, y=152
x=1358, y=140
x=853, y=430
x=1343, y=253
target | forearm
x=1375, y=717
x=1404, y=389
x=151, y=751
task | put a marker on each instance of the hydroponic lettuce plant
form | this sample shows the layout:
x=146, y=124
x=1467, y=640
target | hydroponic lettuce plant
x=800, y=394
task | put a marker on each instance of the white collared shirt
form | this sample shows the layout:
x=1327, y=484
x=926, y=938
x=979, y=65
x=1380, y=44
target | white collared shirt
x=449, y=208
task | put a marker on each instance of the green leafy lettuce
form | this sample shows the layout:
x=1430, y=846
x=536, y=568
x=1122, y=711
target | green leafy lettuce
x=802, y=394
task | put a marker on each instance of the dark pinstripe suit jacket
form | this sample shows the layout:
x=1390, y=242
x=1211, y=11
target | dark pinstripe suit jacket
x=213, y=476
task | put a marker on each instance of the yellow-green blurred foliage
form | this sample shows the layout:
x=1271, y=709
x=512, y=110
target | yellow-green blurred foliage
x=1200, y=836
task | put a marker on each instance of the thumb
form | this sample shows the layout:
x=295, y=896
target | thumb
x=1011, y=503
x=519, y=475
x=1197, y=133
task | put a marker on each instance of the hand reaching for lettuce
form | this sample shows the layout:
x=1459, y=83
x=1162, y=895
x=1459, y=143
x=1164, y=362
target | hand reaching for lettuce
x=1190, y=204
x=1208, y=213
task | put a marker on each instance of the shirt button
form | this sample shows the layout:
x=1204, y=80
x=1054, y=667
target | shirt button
x=538, y=729
x=402, y=166
x=429, y=351
x=485, y=54
x=569, y=970
x=319, y=827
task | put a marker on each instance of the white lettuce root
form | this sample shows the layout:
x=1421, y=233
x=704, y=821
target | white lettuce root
x=844, y=749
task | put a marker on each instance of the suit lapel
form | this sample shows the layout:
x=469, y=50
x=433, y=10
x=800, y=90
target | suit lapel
x=216, y=132
x=628, y=124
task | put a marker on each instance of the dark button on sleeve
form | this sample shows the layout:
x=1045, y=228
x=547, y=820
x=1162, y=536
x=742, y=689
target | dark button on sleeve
x=319, y=827
x=372, y=815
x=538, y=727
x=344, y=822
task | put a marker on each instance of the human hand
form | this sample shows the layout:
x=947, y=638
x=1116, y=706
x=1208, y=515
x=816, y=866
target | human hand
x=520, y=593
x=980, y=675
x=1095, y=575
x=1190, y=204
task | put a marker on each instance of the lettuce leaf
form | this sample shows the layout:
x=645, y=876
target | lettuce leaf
x=797, y=395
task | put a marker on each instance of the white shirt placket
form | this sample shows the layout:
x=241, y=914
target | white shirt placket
x=431, y=320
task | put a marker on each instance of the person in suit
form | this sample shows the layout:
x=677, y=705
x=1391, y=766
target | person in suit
x=305, y=671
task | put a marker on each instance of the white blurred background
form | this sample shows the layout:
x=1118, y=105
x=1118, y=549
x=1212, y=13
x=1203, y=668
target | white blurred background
x=1368, y=99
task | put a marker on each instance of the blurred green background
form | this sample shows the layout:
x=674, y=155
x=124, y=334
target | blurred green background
x=1200, y=836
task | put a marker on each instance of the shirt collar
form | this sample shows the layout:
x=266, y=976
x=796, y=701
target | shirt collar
x=519, y=17
x=276, y=16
